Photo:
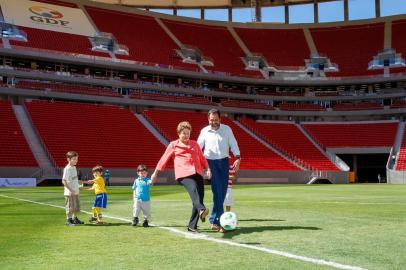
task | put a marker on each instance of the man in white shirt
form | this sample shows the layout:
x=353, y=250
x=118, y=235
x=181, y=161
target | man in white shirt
x=216, y=140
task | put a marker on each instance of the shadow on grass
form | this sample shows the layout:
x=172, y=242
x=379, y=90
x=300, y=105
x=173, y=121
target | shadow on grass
x=108, y=224
x=248, y=230
x=260, y=220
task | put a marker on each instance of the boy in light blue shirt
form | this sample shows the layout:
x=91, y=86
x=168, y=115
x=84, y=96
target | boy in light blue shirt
x=141, y=196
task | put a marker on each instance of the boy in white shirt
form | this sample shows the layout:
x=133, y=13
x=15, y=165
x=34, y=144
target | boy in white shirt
x=71, y=190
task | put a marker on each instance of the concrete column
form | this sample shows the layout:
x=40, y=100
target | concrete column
x=316, y=11
x=230, y=14
x=354, y=167
x=377, y=8
x=346, y=16
x=258, y=12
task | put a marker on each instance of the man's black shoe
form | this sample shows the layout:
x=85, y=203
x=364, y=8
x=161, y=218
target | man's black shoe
x=135, y=221
x=70, y=222
x=77, y=221
x=145, y=223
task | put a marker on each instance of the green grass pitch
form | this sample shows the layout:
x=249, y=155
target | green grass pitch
x=354, y=226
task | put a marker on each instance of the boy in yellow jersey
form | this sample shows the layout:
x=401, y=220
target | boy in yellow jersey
x=100, y=191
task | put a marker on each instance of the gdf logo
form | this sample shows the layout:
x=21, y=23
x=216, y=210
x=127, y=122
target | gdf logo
x=47, y=15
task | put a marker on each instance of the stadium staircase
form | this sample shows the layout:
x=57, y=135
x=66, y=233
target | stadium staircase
x=148, y=43
x=269, y=145
x=396, y=166
x=47, y=168
x=152, y=129
x=102, y=134
x=206, y=38
x=289, y=139
x=330, y=155
x=256, y=155
x=401, y=157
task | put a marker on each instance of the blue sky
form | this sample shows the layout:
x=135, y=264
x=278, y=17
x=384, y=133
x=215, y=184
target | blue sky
x=328, y=12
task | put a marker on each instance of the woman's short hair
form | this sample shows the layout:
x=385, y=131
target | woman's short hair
x=183, y=125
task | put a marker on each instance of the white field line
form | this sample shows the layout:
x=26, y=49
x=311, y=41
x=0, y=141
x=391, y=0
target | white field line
x=202, y=236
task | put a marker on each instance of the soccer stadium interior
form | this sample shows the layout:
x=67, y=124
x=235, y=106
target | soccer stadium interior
x=112, y=81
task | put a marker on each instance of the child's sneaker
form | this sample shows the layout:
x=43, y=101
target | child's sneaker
x=77, y=221
x=70, y=222
x=135, y=221
x=100, y=222
x=92, y=219
x=145, y=224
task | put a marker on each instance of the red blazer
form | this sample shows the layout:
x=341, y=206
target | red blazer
x=188, y=159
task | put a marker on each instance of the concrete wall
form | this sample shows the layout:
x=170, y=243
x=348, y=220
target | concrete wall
x=126, y=176
x=18, y=172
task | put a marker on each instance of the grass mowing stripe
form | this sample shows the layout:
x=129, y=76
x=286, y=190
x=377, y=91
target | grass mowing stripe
x=220, y=241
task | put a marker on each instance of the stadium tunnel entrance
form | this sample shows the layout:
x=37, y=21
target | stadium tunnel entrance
x=368, y=168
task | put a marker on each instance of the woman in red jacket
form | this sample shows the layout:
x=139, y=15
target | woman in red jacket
x=190, y=166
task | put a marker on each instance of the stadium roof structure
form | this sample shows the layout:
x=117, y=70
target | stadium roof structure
x=254, y=5
x=207, y=3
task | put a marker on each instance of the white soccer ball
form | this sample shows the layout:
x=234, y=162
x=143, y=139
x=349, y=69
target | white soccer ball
x=228, y=221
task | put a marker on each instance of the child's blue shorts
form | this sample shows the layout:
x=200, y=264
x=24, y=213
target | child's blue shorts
x=100, y=201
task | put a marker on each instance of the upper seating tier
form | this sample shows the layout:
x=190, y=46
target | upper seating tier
x=207, y=39
x=144, y=37
x=351, y=47
x=15, y=151
x=51, y=41
x=281, y=47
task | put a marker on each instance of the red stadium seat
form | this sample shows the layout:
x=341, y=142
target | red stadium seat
x=107, y=135
x=369, y=134
x=289, y=139
x=256, y=155
x=351, y=47
x=15, y=151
